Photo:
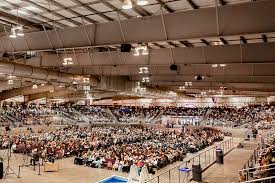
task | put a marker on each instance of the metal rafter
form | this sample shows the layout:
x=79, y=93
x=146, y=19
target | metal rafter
x=13, y=19
x=243, y=40
x=192, y=4
x=186, y=43
x=35, y=14
x=205, y=42
x=223, y=41
x=264, y=38
x=165, y=6
x=92, y=10
x=54, y=13
x=72, y=11
x=159, y=45
x=114, y=8
x=172, y=44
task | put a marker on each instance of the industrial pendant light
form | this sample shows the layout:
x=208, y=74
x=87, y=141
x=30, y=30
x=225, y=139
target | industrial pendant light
x=127, y=4
x=142, y=2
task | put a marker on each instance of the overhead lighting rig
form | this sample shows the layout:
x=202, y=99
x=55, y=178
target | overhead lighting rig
x=10, y=82
x=17, y=31
x=68, y=61
x=143, y=70
x=139, y=89
x=145, y=80
x=218, y=65
x=143, y=49
x=182, y=88
x=127, y=4
x=188, y=83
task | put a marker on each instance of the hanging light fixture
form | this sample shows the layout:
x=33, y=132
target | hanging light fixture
x=136, y=52
x=86, y=80
x=19, y=31
x=142, y=2
x=181, y=88
x=127, y=4
x=145, y=80
x=143, y=70
x=10, y=82
x=145, y=51
x=68, y=61
x=34, y=86
x=142, y=47
x=13, y=33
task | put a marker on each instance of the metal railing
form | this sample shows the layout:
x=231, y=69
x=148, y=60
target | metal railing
x=252, y=159
x=265, y=180
x=205, y=159
x=251, y=173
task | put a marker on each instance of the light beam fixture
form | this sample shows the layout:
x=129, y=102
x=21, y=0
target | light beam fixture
x=145, y=51
x=127, y=4
x=10, y=82
x=142, y=2
x=34, y=86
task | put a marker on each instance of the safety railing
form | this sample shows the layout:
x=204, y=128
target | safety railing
x=253, y=173
x=265, y=180
x=205, y=159
x=251, y=160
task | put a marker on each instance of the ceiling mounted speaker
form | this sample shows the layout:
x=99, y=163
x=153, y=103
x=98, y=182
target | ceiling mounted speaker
x=173, y=67
x=125, y=47
x=199, y=77
x=6, y=55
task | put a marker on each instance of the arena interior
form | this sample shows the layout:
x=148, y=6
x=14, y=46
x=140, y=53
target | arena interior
x=137, y=91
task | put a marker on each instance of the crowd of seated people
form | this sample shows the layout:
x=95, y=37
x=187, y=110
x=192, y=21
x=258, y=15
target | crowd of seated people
x=248, y=117
x=264, y=166
x=112, y=147
x=185, y=111
x=151, y=113
x=30, y=115
x=94, y=113
x=127, y=114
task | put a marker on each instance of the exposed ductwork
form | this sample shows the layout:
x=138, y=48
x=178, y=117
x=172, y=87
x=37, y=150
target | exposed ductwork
x=20, y=70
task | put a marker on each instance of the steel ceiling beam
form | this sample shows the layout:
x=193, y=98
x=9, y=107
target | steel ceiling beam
x=165, y=6
x=93, y=10
x=264, y=38
x=72, y=11
x=223, y=40
x=151, y=29
x=13, y=19
x=54, y=13
x=192, y=4
x=114, y=8
x=15, y=6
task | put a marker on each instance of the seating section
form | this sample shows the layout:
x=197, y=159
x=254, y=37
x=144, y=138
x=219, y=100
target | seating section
x=112, y=147
x=245, y=117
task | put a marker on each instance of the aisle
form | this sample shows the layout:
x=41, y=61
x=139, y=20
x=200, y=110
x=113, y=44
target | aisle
x=228, y=172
